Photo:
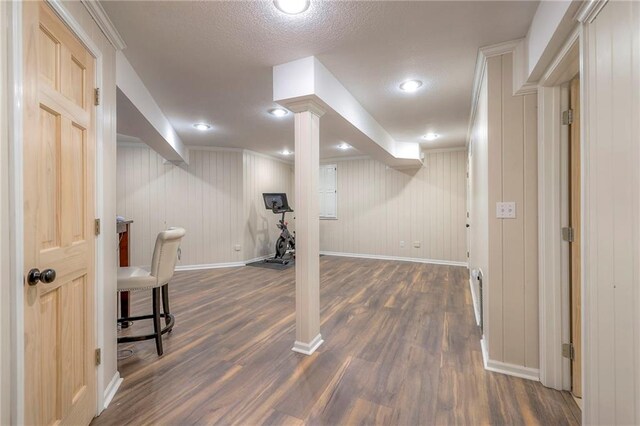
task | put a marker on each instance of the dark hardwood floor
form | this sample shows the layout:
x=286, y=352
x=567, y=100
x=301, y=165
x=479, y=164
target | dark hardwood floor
x=401, y=348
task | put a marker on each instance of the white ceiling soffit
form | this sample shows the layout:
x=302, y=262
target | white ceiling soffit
x=307, y=78
x=139, y=115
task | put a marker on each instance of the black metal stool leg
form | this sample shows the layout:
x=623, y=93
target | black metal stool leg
x=156, y=320
x=165, y=303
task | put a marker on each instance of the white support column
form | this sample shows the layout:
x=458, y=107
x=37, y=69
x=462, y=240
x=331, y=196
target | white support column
x=307, y=164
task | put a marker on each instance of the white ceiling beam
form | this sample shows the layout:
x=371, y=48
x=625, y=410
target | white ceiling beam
x=307, y=78
x=140, y=116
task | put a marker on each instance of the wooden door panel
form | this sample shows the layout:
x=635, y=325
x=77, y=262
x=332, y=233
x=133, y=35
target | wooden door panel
x=49, y=182
x=73, y=85
x=48, y=58
x=59, y=211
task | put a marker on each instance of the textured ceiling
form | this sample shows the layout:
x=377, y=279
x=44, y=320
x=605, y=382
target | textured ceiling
x=212, y=62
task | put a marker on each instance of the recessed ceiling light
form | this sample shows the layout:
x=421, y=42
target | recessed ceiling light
x=292, y=7
x=344, y=145
x=410, y=85
x=286, y=152
x=202, y=126
x=431, y=136
x=278, y=112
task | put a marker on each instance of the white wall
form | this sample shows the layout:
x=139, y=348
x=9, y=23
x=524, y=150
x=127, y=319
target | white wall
x=5, y=277
x=611, y=233
x=479, y=194
x=204, y=197
x=379, y=206
x=506, y=156
x=264, y=174
x=217, y=198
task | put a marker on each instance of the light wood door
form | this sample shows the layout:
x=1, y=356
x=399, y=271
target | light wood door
x=59, y=123
x=576, y=296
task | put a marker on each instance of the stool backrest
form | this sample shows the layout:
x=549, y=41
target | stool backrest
x=165, y=254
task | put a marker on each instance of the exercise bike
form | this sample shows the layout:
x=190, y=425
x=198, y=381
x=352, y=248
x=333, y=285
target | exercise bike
x=286, y=243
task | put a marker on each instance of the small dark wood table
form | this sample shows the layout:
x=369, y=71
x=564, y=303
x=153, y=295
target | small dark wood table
x=123, y=235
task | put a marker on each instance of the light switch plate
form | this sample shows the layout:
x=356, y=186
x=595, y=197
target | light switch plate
x=506, y=210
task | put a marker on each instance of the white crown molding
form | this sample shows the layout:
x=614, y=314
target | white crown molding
x=589, y=10
x=104, y=23
x=427, y=151
x=352, y=158
x=516, y=48
x=500, y=48
x=269, y=157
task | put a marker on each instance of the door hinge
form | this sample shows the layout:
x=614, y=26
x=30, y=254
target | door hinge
x=97, y=226
x=567, y=234
x=567, y=117
x=568, y=351
x=98, y=356
x=467, y=254
x=96, y=96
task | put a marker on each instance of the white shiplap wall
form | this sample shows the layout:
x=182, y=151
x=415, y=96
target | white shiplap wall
x=264, y=174
x=611, y=234
x=204, y=197
x=378, y=207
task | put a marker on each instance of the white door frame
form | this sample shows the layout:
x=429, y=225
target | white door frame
x=553, y=184
x=16, y=201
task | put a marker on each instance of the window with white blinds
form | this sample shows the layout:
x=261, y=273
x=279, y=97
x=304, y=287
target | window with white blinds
x=328, y=184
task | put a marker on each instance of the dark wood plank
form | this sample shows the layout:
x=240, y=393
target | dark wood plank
x=401, y=348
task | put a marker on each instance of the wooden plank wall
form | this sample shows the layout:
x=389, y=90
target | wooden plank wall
x=512, y=279
x=378, y=207
x=204, y=197
x=264, y=174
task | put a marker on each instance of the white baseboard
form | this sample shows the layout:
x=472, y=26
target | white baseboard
x=475, y=299
x=221, y=265
x=308, y=348
x=506, y=368
x=111, y=389
x=401, y=259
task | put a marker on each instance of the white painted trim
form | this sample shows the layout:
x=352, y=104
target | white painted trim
x=269, y=157
x=352, y=158
x=506, y=368
x=512, y=370
x=308, y=348
x=553, y=256
x=75, y=27
x=104, y=23
x=481, y=63
x=439, y=150
x=396, y=258
x=589, y=11
x=16, y=211
x=111, y=390
x=475, y=299
x=558, y=68
x=238, y=264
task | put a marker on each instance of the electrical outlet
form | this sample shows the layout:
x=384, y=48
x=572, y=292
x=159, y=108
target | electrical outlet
x=416, y=244
x=506, y=210
x=401, y=244
x=237, y=247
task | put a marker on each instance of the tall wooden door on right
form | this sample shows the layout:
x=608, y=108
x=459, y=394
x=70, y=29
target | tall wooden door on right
x=574, y=218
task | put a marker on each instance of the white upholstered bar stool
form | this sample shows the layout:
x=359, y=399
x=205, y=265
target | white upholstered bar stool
x=163, y=265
